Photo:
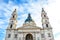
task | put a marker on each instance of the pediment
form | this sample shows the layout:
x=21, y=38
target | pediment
x=29, y=27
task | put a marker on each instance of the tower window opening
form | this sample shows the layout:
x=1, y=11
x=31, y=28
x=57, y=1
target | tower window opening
x=46, y=25
x=13, y=16
x=44, y=15
x=11, y=26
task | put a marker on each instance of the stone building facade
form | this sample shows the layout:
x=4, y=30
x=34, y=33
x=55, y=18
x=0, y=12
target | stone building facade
x=29, y=30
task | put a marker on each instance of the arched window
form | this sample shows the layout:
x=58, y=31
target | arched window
x=46, y=25
x=11, y=26
x=44, y=15
x=13, y=16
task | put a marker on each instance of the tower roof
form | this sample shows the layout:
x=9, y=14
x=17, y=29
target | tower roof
x=14, y=12
x=43, y=10
x=14, y=15
x=28, y=18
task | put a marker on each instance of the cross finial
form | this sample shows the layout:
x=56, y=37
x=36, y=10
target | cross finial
x=15, y=10
x=42, y=9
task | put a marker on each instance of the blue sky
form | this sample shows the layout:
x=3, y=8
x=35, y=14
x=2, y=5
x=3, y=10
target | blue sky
x=24, y=7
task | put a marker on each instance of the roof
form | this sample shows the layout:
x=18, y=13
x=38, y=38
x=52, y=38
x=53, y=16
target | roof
x=29, y=19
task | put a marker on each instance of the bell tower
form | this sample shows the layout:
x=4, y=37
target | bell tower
x=12, y=26
x=47, y=29
x=13, y=20
x=45, y=19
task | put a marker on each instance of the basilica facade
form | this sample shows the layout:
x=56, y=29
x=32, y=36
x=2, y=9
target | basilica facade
x=29, y=30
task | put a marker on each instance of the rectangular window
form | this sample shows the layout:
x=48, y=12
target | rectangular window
x=9, y=35
x=42, y=35
x=49, y=35
x=15, y=35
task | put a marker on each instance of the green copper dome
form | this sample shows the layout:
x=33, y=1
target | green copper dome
x=29, y=19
